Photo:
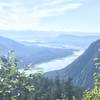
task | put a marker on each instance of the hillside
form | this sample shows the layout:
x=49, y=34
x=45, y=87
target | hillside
x=33, y=54
x=82, y=69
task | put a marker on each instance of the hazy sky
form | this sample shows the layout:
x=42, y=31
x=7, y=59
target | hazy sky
x=50, y=15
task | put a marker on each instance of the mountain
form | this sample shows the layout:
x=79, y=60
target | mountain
x=76, y=40
x=8, y=44
x=82, y=69
x=33, y=54
x=68, y=38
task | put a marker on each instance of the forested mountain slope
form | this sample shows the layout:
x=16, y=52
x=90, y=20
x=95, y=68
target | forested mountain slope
x=82, y=69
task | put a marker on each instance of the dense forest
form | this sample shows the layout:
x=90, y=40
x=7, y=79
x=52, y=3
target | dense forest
x=17, y=85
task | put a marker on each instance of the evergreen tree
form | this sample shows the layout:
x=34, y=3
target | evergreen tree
x=94, y=94
x=16, y=85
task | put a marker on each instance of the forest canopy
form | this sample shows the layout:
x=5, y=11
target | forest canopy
x=17, y=85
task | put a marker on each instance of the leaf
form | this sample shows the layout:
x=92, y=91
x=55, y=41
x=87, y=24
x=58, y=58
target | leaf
x=14, y=98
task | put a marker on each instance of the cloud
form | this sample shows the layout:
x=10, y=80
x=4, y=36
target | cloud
x=23, y=14
x=54, y=8
x=54, y=11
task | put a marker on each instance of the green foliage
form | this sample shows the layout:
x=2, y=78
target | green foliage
x=17, y=85
x=94, y=94
x=13, y=83
x=56, y=90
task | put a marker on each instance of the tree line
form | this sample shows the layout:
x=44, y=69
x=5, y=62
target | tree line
x=17, y=85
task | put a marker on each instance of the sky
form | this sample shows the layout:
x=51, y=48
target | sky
x=50, y=15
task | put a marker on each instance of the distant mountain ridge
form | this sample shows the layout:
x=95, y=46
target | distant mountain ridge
x=29, y=35
x=82, y=69
x=76, y=40
x=33, y=54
